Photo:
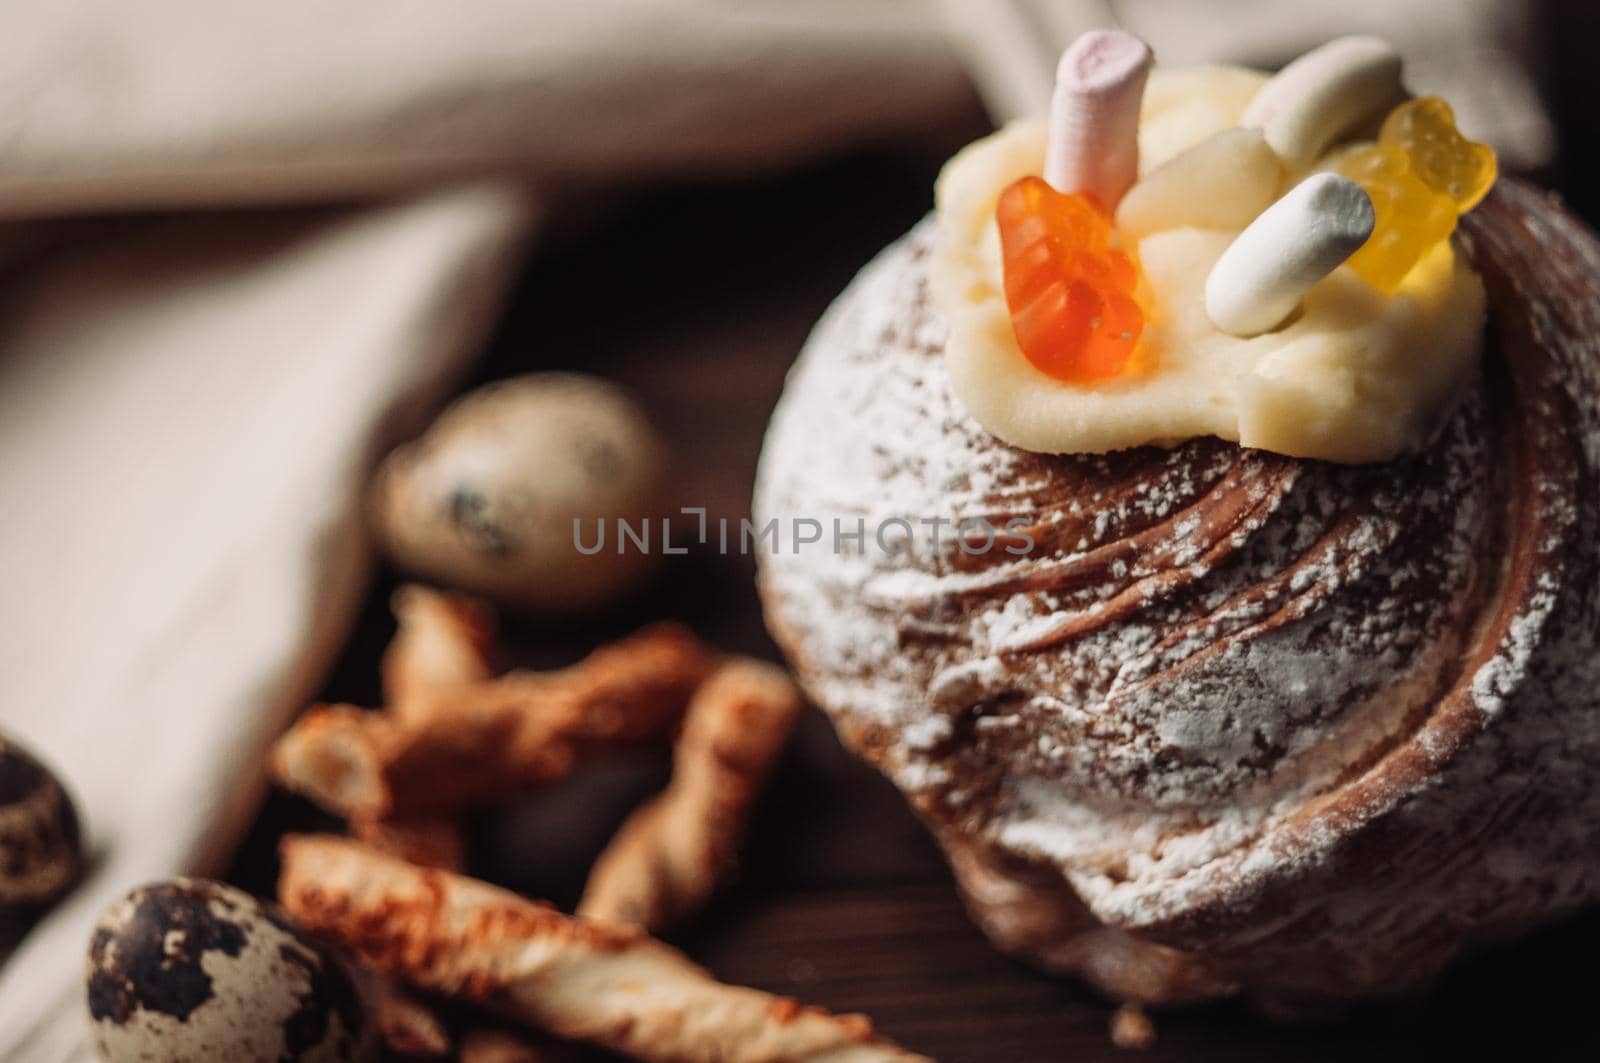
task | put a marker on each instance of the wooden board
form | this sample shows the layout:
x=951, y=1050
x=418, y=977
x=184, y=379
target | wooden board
x=699, y=299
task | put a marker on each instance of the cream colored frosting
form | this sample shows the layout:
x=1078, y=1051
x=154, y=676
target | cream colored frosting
x=1356, y=376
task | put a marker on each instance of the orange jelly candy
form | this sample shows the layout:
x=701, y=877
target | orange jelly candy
x=1071, y=294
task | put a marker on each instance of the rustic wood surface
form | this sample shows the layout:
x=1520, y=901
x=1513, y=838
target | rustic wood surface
x=699, y=299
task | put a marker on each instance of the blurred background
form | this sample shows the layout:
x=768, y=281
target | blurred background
x=245, y=250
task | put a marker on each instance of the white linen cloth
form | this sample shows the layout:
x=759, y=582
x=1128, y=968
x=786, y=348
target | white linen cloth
x=189, y=401
x=1481, y=55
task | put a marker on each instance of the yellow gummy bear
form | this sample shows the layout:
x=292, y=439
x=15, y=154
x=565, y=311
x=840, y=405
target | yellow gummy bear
x=1447, y=162
x=1421, y=176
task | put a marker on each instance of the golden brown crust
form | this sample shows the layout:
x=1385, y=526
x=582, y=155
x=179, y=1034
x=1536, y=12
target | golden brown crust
x=666, y=859
x=612, y=985
x=478, y=742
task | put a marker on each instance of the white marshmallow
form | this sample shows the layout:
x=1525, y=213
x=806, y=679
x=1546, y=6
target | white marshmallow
x=1223, y=182
x=1094, y=115
x=1325, y=94
x=1262, y=276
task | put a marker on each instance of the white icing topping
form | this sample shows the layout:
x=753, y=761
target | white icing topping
x=1357, y=376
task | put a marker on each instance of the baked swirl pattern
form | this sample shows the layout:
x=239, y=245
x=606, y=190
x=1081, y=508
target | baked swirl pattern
x=1238, y=722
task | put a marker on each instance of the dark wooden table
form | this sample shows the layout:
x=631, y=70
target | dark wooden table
x=843, y=900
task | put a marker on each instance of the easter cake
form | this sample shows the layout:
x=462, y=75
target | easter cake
x=1212, y=541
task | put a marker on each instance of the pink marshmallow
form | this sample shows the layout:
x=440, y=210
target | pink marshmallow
x=1094, y=115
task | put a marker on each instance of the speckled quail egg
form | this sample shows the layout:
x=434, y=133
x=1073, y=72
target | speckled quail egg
x=487, y=499
x=192, y=970
x=41, y=854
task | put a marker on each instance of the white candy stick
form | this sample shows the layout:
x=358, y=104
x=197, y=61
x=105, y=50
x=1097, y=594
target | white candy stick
x=1325, y=94
x=1264, y=273
x=1094, y=115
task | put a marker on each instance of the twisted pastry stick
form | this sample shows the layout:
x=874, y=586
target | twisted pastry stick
x=408, y=1025
x=665, y=860
x=612, y=985
x=477, y=742
x=442, y=641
